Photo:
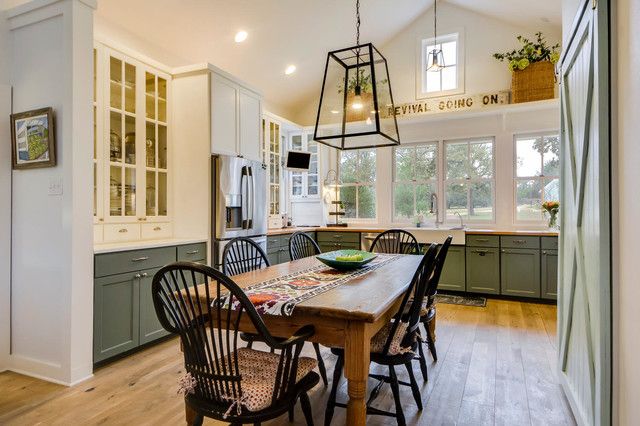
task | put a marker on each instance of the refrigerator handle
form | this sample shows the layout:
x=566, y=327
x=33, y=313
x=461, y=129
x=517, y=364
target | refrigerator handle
x=244, y=197
x=252, y=199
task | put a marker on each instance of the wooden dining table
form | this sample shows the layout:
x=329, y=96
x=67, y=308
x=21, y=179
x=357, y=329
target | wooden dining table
x=347, y=316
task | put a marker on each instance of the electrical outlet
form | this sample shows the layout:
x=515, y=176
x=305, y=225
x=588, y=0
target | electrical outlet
x=55, y=186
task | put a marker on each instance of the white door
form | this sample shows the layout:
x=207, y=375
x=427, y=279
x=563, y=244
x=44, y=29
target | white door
x=5, y=224
x=224, y=116
x=584, y=300
x=250, y=120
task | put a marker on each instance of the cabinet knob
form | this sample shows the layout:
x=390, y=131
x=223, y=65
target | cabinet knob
x=123, y=230
x=193, y=252
x=140, y=259
x=157, y=228
x=144, y=275
x=137, y=276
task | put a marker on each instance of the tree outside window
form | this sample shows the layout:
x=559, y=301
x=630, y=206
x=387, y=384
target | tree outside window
x=537, y=170
x=358, y=176
x=415, y=179
x=469, y=182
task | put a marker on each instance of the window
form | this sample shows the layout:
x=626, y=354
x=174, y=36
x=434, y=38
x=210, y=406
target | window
x=358, y=176
x=536, y=171
x=274, y=160
x=414, y=179
x=469, y=179
x=305, y=184
x=450, y=79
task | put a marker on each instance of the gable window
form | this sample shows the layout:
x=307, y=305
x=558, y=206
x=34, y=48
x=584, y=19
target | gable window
x=414, y=179
x=358, y=189
x=469, y=179
x=536, y=174
x=450, y=79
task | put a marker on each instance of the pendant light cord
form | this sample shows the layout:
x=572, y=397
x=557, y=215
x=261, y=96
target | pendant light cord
x=357, y=22
x=435, y=22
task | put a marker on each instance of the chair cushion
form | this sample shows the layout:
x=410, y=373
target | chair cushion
x=258, y=370
x=380, y=339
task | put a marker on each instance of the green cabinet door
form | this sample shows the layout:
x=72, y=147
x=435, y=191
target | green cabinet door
x=453, y=272
x=115, y=315
x=150, y=328
x=483, y=270
x=284, y=255
x=549, y=274
x=520, y=272
x=274, y=258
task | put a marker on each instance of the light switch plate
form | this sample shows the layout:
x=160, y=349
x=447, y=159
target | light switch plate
x=55, y=185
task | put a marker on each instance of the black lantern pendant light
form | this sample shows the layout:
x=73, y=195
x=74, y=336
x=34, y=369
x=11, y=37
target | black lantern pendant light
x=356, y=106
x=435, y=58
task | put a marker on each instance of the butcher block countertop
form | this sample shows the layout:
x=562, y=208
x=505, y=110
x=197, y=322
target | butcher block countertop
x=378, y=229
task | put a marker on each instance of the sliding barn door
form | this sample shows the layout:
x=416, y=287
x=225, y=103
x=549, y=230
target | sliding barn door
x=584, y=305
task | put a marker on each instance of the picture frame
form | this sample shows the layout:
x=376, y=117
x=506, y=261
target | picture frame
x=33, y=143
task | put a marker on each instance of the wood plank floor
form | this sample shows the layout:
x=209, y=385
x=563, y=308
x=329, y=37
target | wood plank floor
x=496, y=366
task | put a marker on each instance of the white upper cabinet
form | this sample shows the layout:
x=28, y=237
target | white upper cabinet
x=132, y=154
x=224, y=116
x=235, y=119
x=250, y=114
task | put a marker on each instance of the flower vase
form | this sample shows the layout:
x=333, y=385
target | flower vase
x=553, y=219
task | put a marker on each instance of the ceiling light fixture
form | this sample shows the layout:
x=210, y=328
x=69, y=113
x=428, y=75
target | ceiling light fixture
x=356, y=80
x=241, y=36
x=290, y=70
x=435, y=57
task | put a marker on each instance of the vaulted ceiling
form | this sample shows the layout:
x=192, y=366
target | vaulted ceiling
x=283, y=32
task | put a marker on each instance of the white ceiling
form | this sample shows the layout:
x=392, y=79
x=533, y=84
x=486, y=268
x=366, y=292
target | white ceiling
x=283, y=32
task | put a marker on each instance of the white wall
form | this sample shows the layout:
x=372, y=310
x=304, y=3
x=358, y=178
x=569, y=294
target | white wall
x=483, y=36
x=52, y=240
x=626, y=104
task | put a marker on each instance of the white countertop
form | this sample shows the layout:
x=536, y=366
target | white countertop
x=135, y=245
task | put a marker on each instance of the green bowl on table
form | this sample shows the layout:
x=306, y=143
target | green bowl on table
x=345, y=260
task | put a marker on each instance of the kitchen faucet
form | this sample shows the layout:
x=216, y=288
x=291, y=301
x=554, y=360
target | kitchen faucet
x=434, y=208
x=461, y=221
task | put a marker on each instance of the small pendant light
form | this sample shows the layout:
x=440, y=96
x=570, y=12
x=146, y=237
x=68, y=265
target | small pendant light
x=356, y=105
x=435, y=57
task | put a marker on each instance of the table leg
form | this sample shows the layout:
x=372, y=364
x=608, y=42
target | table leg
x=356, y=371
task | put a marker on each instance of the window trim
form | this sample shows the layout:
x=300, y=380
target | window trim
x=421, y=56
x=434, y=182
x=468, y=180
x=373, y=184
x=515, y=178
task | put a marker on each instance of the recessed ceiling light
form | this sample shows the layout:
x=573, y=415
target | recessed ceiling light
x=290, y=69
x=241, y=36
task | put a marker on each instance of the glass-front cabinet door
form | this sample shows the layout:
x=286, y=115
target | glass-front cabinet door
x=305, y=185
x=131, y=145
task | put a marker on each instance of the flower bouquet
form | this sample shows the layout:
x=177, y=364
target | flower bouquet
x=552, y=207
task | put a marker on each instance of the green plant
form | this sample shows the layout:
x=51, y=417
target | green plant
x=360, y=79
x=530, y=52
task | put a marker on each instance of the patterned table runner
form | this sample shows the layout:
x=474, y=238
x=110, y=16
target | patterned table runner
x=279, y=296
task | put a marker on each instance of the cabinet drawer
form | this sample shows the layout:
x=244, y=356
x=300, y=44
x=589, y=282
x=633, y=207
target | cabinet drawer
x=98, y=234
x=115, y=233
x=325, y=246
x=344, y=237
x=483, y=240
x=549, y=243
x=154, y=231
x=135, y=260
x=519, y=242
x=273, y=241
x=192, y=252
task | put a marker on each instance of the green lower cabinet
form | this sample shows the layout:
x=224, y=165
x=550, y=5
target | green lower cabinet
x=116, y=315
x=453, y=273
x=483, y=270
x=549, y=268
x=520, y=272
x=150, y=327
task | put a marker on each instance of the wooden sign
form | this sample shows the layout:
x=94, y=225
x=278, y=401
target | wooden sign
x=451, y=103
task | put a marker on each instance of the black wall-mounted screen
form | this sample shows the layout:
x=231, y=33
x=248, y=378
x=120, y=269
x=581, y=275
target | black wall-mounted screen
x=298, y=160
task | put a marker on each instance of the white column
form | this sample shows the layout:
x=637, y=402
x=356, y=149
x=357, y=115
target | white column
x=52, y=240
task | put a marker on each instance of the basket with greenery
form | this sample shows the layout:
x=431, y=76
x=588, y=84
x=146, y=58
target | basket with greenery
x=532, y=66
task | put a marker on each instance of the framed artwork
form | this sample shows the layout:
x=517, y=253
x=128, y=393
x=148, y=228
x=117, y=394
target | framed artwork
x=33, y=139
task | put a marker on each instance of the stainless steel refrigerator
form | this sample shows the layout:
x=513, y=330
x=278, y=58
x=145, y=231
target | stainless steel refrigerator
x=239, y=202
